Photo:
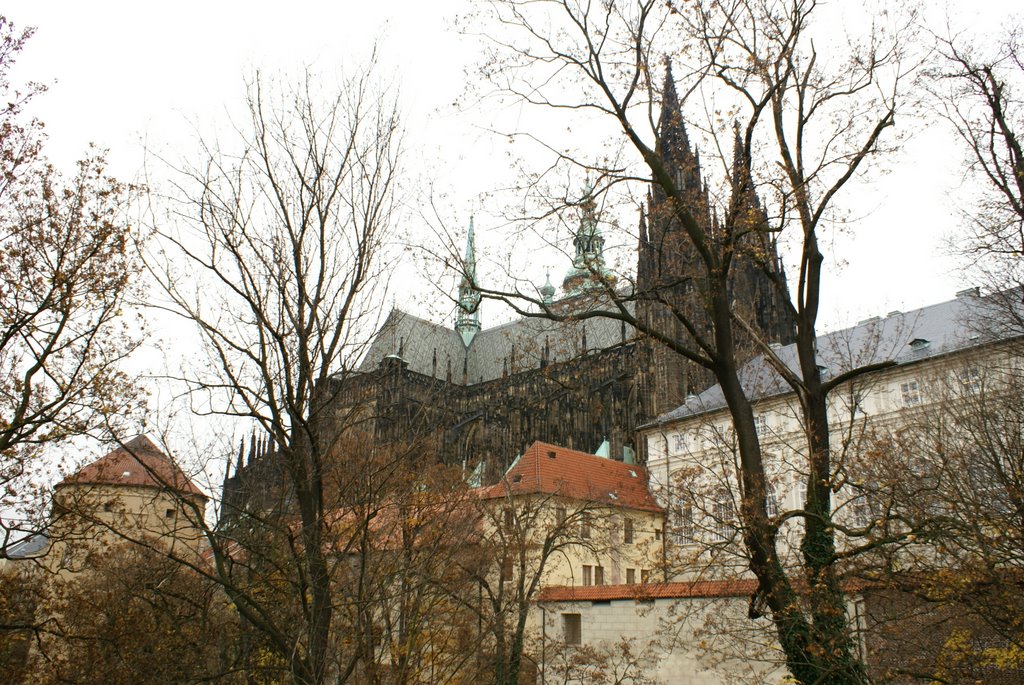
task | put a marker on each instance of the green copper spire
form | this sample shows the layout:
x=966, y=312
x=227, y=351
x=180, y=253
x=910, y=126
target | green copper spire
x=547, y=291
x=588, y=269
x=467, y=322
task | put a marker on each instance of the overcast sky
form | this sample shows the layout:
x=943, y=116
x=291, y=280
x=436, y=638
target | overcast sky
x=125, y=74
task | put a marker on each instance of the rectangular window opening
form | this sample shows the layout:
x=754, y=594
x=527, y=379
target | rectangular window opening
x=572, y=629
x=910, y=393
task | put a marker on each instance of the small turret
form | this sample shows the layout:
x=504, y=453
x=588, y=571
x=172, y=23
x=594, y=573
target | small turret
x=588, y=269
x=467, y=323
x=547, y=291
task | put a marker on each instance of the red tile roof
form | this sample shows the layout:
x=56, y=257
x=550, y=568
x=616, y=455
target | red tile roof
x=693, y=589
x=140, y=463
x=685, y=590
x=552, y=470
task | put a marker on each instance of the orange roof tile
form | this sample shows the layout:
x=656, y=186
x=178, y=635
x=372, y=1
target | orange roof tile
x=138, y=462
x=691, y=589
x=549, y=469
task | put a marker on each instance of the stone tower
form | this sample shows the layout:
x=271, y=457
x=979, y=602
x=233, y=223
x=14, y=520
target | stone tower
x=670, y=272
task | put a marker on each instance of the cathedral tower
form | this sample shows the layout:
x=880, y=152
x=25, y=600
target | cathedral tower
x=670, y=272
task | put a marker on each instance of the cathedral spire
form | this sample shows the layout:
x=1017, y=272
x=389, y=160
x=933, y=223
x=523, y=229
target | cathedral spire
x=673, y=141
x=744, y=198
x=588, y=267
x=467, y=323
x=740, y=167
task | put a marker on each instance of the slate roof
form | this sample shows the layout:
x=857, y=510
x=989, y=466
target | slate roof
x=30, y=546
x=552, y=470
x=139, y=463
x=490, y=354
x=902, y=337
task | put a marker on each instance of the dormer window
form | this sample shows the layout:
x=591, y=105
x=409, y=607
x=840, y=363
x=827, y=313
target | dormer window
x=919, y=344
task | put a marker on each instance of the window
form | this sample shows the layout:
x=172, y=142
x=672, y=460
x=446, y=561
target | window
x=911, y=393
x=970, y=378
x=572, y=629
x=761, y=425
x=627, y=531
x=630, y=576
x=773, y=502
x=560, y=515
x=108, y=506
x=678, y=442
x=725, y=513
x=599, y=575
x=645, y=576
x=684, y=525
x=169, y=513
x=509, y=518
x=585, y=527
x=588, y=575
x=861, y=511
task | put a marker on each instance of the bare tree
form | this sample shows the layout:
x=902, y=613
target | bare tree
x=523, y=538
x=807, y=124
x=978, y=91
x=66, y=271
x=132, y=614
x=276, y=250
x=953, y=474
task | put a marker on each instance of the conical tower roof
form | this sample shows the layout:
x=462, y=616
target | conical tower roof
x=137, y=463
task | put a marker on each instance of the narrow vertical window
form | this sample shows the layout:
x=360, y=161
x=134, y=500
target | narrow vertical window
x=684, y=525
x=572, y=629
x=725, y=515
x=761, y=425
x=560, y=515
x=627, y=531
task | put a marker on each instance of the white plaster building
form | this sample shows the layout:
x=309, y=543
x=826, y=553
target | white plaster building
x=937, y=354
x=693, y=628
